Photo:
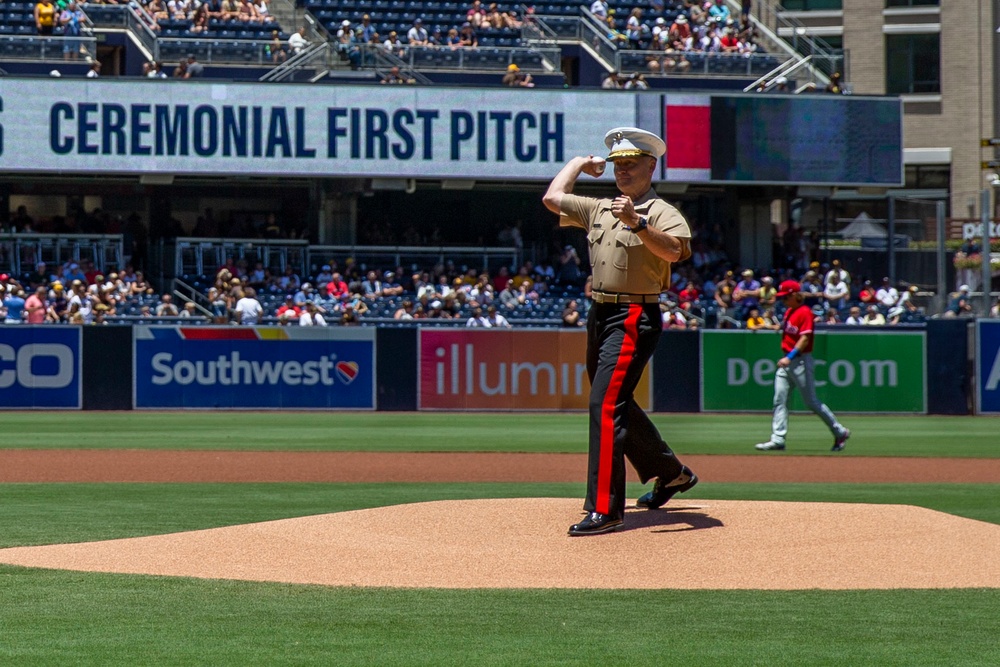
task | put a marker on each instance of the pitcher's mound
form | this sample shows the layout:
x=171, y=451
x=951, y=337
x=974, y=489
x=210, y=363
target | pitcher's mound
x=522, y=543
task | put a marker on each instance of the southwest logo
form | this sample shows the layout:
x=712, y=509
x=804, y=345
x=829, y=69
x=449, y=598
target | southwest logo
x=347, y=371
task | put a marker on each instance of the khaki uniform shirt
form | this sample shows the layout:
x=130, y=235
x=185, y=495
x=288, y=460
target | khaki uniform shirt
x=620, y=261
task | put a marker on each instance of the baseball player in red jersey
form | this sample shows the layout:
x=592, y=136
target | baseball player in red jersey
x=796, y=368
x=633, y=240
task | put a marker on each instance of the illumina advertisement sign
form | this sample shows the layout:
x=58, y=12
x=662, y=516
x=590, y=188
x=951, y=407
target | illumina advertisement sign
x=855, y=371
x=463, y=369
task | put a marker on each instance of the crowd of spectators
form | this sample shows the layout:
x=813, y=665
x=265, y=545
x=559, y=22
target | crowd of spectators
x=554, y=294
x=672, y=32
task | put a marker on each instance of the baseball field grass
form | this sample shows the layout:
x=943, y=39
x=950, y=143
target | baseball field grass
x=57, y=617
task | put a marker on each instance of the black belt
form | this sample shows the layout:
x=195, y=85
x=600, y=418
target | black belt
x=604, y=297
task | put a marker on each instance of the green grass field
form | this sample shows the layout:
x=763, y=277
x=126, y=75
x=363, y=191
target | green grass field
x=57, y=618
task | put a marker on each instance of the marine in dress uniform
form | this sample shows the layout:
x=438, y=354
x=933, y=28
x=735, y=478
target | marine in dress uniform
x=633, y=240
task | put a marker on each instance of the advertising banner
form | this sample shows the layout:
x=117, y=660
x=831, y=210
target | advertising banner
x=217, y=127
x=462, y=369
x=40, y=367
x=855, y=371
x=987, y=367
x=254, y=367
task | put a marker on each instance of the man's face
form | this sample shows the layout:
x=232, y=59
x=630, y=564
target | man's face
x=634, y=175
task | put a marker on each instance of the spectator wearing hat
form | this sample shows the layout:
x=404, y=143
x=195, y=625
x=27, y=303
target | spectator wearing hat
x=835, y=267
x=367, y=32
x=391, y=285
x=394, y=45
x=305, y=293
x=873, y=317
x=58, y=304
x=515, y=78
x=960, y=303
x=80, y=302
x=796, y=370
x=467, y=36
x=417, y=34
x=867, y=294
x=887, y=295
x=836, y=292
x=747, y=294
x=312, y=316
x=719, y=12
x=347, y=44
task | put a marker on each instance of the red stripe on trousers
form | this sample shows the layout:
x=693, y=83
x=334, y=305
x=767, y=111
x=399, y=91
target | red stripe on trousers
x=608, y=409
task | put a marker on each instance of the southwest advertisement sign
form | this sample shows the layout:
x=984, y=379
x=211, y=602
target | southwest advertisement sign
x=254, y=367
x=855, y=371
x=40, y=367
x=463, y=369
x=988, y=367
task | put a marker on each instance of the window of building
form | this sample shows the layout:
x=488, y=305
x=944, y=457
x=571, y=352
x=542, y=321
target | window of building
x=811, y=5
x=912, y=3
x=913, y=64
x=928, y=176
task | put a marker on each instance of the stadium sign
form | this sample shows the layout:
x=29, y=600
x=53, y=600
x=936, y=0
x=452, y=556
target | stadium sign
x=857, y=371
x=987, y=366
x=218, y=128
x=40, y=367
x=253, y=367
x=463, y=369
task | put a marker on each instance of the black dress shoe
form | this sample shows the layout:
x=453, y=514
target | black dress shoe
x=595, y=524
x=664, y=491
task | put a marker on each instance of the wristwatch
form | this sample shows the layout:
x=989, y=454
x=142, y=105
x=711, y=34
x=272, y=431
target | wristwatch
x=641, y=225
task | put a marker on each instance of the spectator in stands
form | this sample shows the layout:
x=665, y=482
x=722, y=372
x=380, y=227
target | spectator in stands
x=680, y=37
x=854, y=316
x=495, y=19
x=478, y=319
x=263, y=11
x=366, y=32
x=371, y=286
x=570, y=274
x=887, y=295
x=166, y=307
x=248, y=12
x=35, y=306
x=248, y=310
x=747, y=294
x=904, y=310
x=347, y=44
x=289, y=281
x=571, y=316
x=868, y=294
x=194, y=69
x=836, y=293
x=754, y=320
x=304, y=294
x=467, y=36
x=140, y=286
x=636, y=82
x=199, y=22
x=719, y=12
x=156, y=70
x=873, y=317
x=276, y=49
x=288, y=312
x=835, y=86
x=337, y=288
x=959, y=303
x=311, y=316
x=190, y=312
x=95, y=70
x=611, y=82
x=515, y=78
x=476, y=15
x=417, y=34
x=394, y=45
x=995, y=309
x=390, y=287
x=394, y=77
x=40, y=276
x=836, y=268
x=496, y=320
x=297, y=42
x=71, y=19
x=58, y=304
x=46, y=16
x=831, y=316
x=405, y=311
x=80, y=302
